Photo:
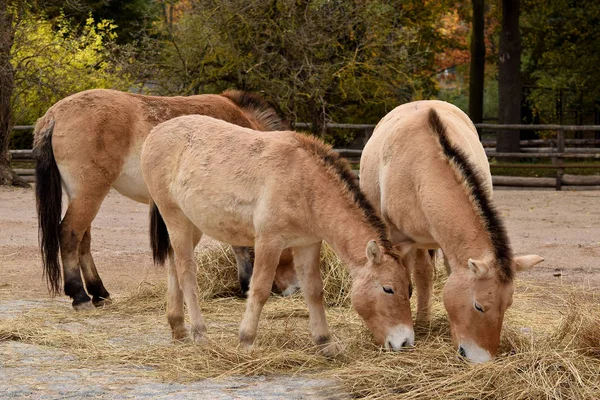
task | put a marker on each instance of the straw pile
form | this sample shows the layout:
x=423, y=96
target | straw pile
x=550, y=345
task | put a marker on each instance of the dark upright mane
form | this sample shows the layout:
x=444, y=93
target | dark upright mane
x=474, y=182
x=264, y=112
x=330, y=159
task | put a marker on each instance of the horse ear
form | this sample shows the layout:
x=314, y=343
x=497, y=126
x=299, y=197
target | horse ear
x=373, y=252
x=478, y=267
x=523, y=263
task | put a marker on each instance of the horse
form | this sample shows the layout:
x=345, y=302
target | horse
x=208, y=176
x=90, y=142
x=427, y=175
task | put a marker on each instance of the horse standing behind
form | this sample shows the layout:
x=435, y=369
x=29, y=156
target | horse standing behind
x=91, y=141
x=427, y=174
x=208, y=176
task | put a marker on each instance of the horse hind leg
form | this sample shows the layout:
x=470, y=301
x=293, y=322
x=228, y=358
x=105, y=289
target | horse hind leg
x=77, y=219
x=81, y=212
x=93, y=283
x=244, y=259
x=175, y=299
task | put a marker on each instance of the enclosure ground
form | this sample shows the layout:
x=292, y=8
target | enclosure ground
x=563, y=227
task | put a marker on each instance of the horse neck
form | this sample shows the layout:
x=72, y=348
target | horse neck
x=459, y=230
x=343, y=225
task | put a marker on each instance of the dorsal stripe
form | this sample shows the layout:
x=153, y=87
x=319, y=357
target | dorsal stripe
x=482, y=203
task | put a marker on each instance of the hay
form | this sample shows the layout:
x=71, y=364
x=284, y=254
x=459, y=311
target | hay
x=547, y=351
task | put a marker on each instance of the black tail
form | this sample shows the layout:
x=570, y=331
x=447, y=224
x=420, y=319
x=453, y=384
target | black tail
x=48, y=193
x=159, y=236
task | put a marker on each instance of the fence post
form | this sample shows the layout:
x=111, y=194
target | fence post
x=559, y=160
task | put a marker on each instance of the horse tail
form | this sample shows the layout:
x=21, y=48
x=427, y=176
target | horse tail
x=48, y=194
x=265, y=113
x=159, y=236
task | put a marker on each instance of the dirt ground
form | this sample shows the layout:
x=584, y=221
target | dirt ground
x=563, y=227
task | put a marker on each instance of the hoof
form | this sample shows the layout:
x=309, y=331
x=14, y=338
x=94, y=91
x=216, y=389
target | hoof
x=246, y=340
x=197, y=334
x=331, y=349
x=101, y=302
x=290, y=290
x=180, y=335
x=85, y=306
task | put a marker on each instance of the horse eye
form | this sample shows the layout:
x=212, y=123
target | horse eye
x=477, y=307
x=388, y=289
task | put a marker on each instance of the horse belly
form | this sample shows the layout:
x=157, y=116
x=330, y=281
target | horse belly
x=131, y=183
x=227, y=219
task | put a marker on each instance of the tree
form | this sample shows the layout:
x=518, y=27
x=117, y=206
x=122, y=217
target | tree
x=8, y=11
x=53, y=59
x=477, y=66
x=509, y=77
x=561, y=45
x=319, y=60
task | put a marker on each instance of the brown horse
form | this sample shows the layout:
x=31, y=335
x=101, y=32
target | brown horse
x=209, y=176
x=91, y=141
x=426, y=172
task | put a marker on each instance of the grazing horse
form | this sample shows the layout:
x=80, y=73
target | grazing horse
x=91, y=141
x=208, y=176
x=427, y=175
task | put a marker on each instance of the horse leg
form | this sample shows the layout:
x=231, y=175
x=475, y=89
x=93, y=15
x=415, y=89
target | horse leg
x=447, y=265
x=175, y=314
x=245, y=264
x=266, y=261
x=306, y=259
x=175, y=296
x=423, y=274
x=184, y=237
x=81, y=212
x=93, y=283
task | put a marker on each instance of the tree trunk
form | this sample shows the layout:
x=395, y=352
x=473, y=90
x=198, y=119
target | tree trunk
x=7, y=176
x=509, y=77
x=477, y=67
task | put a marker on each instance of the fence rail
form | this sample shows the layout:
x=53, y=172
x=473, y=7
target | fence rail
x=554, y=148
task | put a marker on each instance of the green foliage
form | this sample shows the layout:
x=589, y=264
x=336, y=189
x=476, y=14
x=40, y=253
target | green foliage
x=562, y=43
x=51, y=64
x=21, y=139
x=460, y=96
x=132, y=18
x=346, y=60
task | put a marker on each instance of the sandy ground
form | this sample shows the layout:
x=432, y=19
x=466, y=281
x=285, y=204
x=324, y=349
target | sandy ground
x=563, y=227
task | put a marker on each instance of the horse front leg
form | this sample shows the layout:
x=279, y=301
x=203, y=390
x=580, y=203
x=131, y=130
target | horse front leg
x=265, y=264
x=423, y=271
x=306, y=260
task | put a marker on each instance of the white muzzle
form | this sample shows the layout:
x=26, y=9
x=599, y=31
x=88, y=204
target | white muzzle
x=473, y=353
x=400, y=336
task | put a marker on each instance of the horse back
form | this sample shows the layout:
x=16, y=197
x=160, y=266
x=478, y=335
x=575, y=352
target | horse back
x=404, y=170
x=223, y=177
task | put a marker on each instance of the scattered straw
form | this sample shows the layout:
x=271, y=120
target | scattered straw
x=547, y=351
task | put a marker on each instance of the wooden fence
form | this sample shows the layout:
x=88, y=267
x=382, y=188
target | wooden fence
x=556, y=149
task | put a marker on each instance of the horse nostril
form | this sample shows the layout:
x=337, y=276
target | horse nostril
x=405, y=343
x=462, y=352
